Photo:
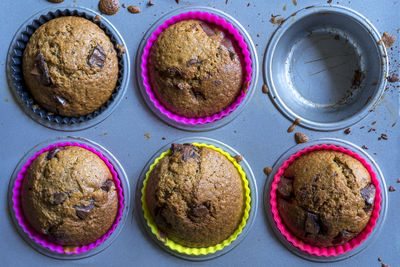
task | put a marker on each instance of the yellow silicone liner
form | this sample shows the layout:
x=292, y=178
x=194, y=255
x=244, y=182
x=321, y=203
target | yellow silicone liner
x=197, y=251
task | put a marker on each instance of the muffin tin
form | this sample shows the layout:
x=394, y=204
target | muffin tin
x=257, y=128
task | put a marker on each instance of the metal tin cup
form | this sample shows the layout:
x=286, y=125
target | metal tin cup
x=350, y=248
x=41, y=243
x=246, y=51
x=200, y=254
x=21, y=92
x=326, y=66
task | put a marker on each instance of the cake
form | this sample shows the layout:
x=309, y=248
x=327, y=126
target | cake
x=70, y=66
x=195, y=196
x=69, y=196
x=195, y=70
x=325, y=198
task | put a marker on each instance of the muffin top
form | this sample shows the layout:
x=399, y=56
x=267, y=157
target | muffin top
x=195, y=195
x=325, y=198
x=70, y=66
x=195, y=70
x=68, y=194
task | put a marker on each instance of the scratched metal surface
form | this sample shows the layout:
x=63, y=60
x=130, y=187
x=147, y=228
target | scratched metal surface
x=259, y=133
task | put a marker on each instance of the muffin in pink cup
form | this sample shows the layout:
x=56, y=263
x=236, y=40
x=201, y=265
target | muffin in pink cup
x=68, y=198
x=196, y=68
x=325, y=200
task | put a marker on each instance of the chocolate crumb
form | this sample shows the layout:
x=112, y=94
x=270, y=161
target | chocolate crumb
x=265, y=89
x=301, y=138
x=393, y=78
x=147, y=135
x=163, y=138
x=134, y=9
x=108, y=7
x=365, y=147
x=379, y=259
x=398, y=181
x=388, y=39
x=268, y=170
x=121, y=49
x=97, y=18
x=275, y=20
x=329, y=1
x=392, y=189
x=123, y=5
x=55, y=1
x=150, y=3
x=384, y=136
x=358, y=77
x=347, y=131
x=297, y=121
x=238, y=158
x=177, y=1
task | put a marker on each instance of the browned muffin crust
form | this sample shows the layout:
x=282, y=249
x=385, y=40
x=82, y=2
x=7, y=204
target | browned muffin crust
x=70, y=66
x=326, y=198
x=68, y=194
x=196, y=196
x=195, y=70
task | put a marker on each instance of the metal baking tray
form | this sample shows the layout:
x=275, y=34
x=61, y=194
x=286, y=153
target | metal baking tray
x=134, y=133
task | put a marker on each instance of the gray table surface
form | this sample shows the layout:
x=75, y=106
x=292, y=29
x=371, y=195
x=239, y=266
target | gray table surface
x=259, y=133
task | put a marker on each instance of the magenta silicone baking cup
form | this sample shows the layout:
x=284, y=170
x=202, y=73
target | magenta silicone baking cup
x=334, y=250
x=235, y=35
x=40, y=238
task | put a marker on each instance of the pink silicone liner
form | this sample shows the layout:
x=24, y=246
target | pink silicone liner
x=211, y=18
x=335, y=250
x=41, y=239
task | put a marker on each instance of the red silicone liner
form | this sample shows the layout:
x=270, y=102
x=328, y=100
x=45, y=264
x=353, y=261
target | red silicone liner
x=41, y=239
x=335, y=250
x=211, y=18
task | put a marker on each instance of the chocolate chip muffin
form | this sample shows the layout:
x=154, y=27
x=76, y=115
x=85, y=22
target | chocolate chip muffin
x=195, y=195
x=68, y=195
x=195, y=70
x=70, y=66
x=325, y=198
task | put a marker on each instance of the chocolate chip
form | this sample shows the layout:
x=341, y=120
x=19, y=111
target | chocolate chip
x=300, y=138
x=107, y=185
x=207, y=29
x=392, y=189
x=53, y=152
x=193, y=61
x=265, y=89
x=58, y=198
x=311, y=225
x=384, y=136
x=347, y=131
x=199, y=211
x=134, y=9
x=83, y=211
x=109, y=7
x=267, y=170
x=285, y=187
x=40, y=70
x=61, y=100
x=97, y=57
x=368, y=194
x=150, y=3
x=318, y=175
x=342, y=236
x=227, y=43
x=238, y=158
x=217, y=82
x=187, y=150
x=174, y=71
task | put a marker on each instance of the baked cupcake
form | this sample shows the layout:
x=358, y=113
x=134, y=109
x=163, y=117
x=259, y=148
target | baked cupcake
x=70, y=66
x=195, y=196
x=195, y=70
x=325, y=198
x=69, y=196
